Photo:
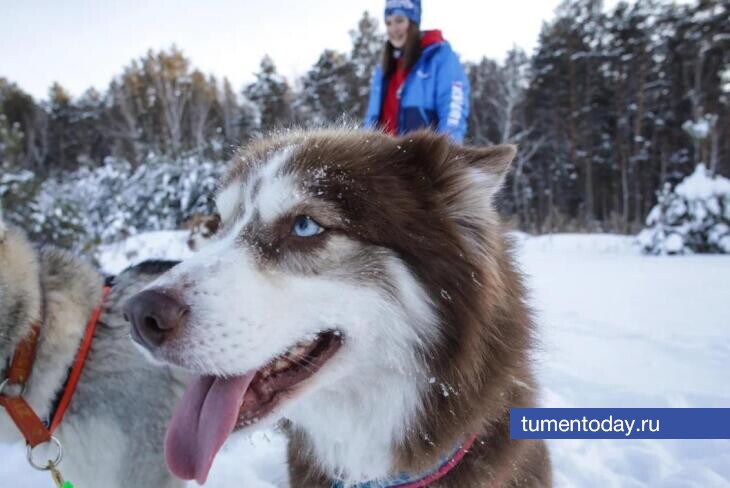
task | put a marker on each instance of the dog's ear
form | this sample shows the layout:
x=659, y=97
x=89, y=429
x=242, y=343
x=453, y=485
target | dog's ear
x=492, y=162
x=427, y=151
x=446, y=161
x=453, y=168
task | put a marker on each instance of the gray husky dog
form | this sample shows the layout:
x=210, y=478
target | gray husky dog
x=113, y=431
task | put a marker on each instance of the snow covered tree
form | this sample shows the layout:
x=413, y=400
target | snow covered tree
x=239, y=121
x=324, y=96
x=337, y=86
x=169, y=77
x=61, y=152
x=612, y=105
x=25, y=119
x=703, y=42
x=272, y=95
x=229, y=112
x=497, y=115
x=485, y=80
x=11, y=130
x=17, y=192
x=694, y=217
x=565, y=81
x=129, y=120
x=202, y=97
x=118, y=200
x=159, y=105
x=90, y=143
x=11, y=142
x=497, y=98
x=367, y=48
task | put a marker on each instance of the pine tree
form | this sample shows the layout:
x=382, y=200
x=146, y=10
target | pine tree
x=694, y=217
x=272, y=95
x=86, y=122
x=129, y=120
x=367, y=47
x=61, y=151
x=229, y=111
x=168, y=75
x=200, y=103
x=11, y=143
x=325, y=96
x=548, y=107
x=18, y=110
x=485, y=80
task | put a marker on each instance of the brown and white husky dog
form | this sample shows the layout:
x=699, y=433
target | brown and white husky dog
x=360, y=292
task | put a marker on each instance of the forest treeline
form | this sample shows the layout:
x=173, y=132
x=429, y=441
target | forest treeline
x=609, y=107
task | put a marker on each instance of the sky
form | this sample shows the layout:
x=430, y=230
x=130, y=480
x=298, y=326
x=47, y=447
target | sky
x=84, y=43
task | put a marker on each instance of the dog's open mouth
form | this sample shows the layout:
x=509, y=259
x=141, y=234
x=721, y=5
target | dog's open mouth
x=213, y=407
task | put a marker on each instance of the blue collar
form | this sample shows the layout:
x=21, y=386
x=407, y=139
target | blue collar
x=404, y=480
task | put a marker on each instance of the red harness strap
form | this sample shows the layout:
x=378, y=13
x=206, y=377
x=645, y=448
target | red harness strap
x=20, y=412
x=22, y=364
x=27, y=421
x=444, y=469
x=78, y=366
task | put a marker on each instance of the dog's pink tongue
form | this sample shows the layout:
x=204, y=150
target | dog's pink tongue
x=205, y=417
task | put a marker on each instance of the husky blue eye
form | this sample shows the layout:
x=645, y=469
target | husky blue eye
x=306, y=227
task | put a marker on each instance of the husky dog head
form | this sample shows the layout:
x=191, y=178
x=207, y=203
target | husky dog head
x=20, y=297
x=339, y=273
x=201, y=229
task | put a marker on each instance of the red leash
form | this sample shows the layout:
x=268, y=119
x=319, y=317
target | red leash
x=78, y=366
x=30, y=425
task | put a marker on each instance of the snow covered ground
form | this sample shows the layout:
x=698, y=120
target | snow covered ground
x=617, y=329
x=624, y=330
x=113, y=258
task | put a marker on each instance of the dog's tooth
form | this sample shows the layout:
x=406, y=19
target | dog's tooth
x=281, y=364
x=299, y=351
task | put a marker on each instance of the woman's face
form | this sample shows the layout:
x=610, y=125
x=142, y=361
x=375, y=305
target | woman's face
x=397, y=30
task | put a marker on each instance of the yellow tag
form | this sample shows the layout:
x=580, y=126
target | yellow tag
x=57, y=478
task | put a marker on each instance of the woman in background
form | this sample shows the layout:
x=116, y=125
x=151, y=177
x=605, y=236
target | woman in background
x=421, y=82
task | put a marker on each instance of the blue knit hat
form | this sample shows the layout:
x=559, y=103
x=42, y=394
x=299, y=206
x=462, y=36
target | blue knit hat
x=406, y=8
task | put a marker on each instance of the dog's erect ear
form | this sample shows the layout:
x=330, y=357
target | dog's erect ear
x=429, y=149
x=491, y=161
x=445, y=160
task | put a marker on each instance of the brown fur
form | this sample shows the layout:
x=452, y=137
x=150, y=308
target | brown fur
x=417, y=197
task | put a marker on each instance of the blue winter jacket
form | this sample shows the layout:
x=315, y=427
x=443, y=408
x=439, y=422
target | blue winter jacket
x=435, y=94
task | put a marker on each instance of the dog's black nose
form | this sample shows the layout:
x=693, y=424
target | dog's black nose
x=155, y=315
